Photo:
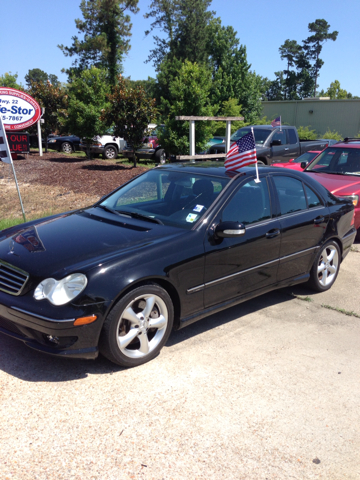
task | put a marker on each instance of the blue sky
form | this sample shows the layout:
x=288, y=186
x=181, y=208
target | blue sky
x=31, y=30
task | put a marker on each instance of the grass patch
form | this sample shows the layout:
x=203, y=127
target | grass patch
x=341, y=310
x=11, y=222
x=304, y=299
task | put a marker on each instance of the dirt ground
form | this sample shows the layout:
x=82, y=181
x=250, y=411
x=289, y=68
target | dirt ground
x=56, y=182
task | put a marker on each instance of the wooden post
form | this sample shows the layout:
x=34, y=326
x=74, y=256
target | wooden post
x=228, y=135
x=192, y=137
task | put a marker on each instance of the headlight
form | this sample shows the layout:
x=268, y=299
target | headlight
x=59, y=292
x=353, y=198
x=52, y=140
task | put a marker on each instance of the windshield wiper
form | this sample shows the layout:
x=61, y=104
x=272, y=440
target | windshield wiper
x=131, y=214
x=111, y=210
x=140, y=216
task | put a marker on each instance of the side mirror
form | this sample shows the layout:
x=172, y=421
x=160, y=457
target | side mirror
x=275, y=143
x=229, y=230
x=303, y=165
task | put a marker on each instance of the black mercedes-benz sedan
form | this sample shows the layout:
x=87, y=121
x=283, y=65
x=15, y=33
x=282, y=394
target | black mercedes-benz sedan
x=170, y=247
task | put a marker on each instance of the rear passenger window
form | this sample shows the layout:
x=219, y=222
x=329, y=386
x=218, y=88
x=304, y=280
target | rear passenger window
x=290, y=193
x=292, y=136
x=312, y=199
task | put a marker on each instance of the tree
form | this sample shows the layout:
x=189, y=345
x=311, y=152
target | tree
x=87, y=100
x=36, y=75
x=163, y=13
x=189, y=95
x=53, y=99
x=184, y=25
x=335, y=91
x=191, y=33
x=290, y=51
x=313, y=44
x=106, y=31
x=229, y=108
x=130, y=111
x=10, y=80
x=148, y=85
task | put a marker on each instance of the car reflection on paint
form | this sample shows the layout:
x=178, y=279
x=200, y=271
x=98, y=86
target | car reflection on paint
x=170, y=247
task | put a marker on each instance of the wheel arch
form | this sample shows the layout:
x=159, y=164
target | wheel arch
x=110, y=144
x=165, y=284
x=264, y=160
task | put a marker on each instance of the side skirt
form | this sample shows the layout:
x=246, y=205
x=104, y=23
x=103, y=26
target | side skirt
x=243, y=298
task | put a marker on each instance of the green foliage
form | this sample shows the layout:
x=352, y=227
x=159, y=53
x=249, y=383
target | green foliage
x=36, y=75
x=189, y=95
x=130, y=111
x=306, y=134
x=184, y=25
x=231, y=71
x=335, y=91
x=87, y=99
x=10, y=80
x=106, y=31
x=332, y=135
x=314, y=43
x=54, y=99
x=229, y=108
x=148, y=85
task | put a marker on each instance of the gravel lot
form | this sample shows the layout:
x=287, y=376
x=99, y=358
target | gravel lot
x=265, y=390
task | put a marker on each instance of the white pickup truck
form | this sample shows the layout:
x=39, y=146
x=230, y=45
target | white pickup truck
x=106, y=145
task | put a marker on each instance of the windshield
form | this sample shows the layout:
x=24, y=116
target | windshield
x=306, y=157
x=340, y=161
x=260, y=134
x=172, y=198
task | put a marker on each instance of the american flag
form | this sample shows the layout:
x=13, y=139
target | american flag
x=276, y=122
x=241, y=153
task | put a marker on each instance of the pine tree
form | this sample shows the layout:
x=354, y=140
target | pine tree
x=106, y=31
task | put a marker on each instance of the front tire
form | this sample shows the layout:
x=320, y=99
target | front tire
x=138, y=326
x=66, y=147
x=110, y=152
x=325, y=268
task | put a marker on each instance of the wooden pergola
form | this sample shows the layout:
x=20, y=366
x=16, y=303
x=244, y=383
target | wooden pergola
x=192, y=120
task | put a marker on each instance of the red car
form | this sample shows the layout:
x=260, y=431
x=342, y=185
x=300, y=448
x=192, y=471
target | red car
x=294, y=163
x=337, y=168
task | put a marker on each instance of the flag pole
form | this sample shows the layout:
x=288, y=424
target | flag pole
x=8, y=159
x=257, y=179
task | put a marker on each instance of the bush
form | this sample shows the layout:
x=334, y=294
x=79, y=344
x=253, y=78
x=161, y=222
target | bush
x=306, y=134
x=332, y=135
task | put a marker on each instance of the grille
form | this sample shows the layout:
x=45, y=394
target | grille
x=12, y=279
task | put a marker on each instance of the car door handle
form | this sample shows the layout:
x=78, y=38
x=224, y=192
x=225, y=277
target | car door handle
x=273, y=233
x=319, y=220
x=286, y=149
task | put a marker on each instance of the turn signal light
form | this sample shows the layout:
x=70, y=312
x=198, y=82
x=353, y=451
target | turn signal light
x=85, y=320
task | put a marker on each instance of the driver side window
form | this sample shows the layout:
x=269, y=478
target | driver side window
x=250, y=204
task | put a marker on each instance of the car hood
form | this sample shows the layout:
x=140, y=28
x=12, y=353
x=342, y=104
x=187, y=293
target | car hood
x=338, y=184
x=77, y=241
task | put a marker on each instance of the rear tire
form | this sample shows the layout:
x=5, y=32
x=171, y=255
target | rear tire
x=325, y=268
x=138, y=326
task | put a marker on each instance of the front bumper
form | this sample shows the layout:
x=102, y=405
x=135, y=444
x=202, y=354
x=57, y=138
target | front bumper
x=53, y=336
x=93, y=149
x=146, y=153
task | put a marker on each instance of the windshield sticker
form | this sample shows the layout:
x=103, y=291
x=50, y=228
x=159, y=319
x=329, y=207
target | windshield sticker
x=198, y=208
x=191, y=217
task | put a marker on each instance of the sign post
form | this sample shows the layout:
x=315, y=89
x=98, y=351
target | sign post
x=5, y=156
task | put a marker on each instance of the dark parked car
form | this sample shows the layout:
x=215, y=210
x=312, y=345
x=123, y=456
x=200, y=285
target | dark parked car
x=274, y=145
x=66, y=144
x=169, y=247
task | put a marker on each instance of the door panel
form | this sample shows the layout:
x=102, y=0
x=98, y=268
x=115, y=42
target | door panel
x=235, y=266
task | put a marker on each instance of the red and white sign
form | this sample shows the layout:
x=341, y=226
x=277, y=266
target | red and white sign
x=17, y=109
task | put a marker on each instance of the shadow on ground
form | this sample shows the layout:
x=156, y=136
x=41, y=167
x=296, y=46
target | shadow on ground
x=20, y=361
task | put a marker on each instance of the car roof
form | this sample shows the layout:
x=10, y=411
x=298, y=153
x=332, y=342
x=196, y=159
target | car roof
x=218, y=169
x=347, y=143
